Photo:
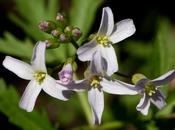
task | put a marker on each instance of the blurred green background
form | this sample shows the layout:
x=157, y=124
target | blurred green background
x=151, y=51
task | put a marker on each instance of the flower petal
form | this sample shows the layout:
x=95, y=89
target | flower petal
x=107, y=22
x=98, y=65
x=122, y=30
x=29, y=96
x=158, y=99
x=96, y=101
x=164, y=79
x=20, y=68
x=50, y=87
x=38, y=58
x=108, y=53
x=86, y=51
x=79, y=85
x=144, y=105
x=117, y=87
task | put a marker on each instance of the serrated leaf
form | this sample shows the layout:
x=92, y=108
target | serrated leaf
x=27, y=121
x=32, y=12
x=82, y=14
x=23, y=49
x=12, y=46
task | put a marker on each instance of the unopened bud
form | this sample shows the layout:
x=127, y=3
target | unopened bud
x=52, y=43
x=66, y=74
x=137, y=77
x=55, y=33
x=72, y=62
x=68, y=30
x=76, y=33
x=60, y=17
x=46, y=26
x=63, y=38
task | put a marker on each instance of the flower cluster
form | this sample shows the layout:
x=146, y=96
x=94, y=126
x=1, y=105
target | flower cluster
x=102, y=64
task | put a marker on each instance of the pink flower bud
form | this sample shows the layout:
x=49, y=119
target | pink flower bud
x=66, y=74
x=43, y=25
x=59, y=17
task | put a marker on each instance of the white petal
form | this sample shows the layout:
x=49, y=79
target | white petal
x=30, y=95
x=165, y=78
x=107, y=22
x=96, y=101
x=108, y=53
x=122, y=30
x=50, y=87
x=86, y=51
x=144, y=105
x=38, y=58
x=98, y=65
x=78, y=85
x=20, y=68
x=158, y=99
x=117, y=87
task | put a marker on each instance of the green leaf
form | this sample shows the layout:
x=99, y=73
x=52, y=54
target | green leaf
x=151, y=126
x=2, y=86
x=12, y=46
x=82, y=14
x=112, y=125
x=32, y=12
x=163, y=52
x=27, y=121
x=23, y=49
x=107, y=126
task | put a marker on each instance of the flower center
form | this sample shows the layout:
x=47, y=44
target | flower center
x=95, y=81
x=103, y=40
x=39, y=76
x=150, y=89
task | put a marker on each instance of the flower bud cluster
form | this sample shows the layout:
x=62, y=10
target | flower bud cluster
x=60, y=31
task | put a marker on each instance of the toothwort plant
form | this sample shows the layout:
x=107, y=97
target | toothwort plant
x=102, y=64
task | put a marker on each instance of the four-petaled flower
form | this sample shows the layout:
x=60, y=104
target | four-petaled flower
x=37, y=73
x=150, y=91
x=95, y=83
x=107, y=35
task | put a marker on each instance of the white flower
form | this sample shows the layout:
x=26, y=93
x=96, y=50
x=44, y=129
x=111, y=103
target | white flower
x=37, y=73
x=95, y=84
x=107, y=35
x=66, y=74
x=149, y=89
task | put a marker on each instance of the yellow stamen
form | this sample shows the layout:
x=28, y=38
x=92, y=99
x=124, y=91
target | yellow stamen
x=103, y=40
x=150, y=89
x=95, y=81
x=39, y=76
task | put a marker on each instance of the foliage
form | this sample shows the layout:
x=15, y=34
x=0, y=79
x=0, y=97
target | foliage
x=9, y=106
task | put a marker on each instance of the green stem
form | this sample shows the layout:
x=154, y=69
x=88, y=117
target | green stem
x=75, y=44
x=85, y=105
